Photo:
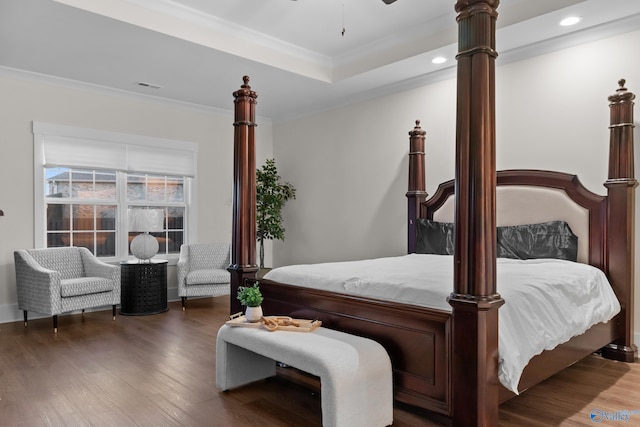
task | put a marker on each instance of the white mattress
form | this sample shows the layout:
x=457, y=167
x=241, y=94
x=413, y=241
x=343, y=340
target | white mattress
x=559, y=299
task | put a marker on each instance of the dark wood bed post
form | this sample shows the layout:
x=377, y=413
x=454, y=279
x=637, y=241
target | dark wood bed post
x=474, y=300
x=243, y=245
x=621, y=185
x=416, y=193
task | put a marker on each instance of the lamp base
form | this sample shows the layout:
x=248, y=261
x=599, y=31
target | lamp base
x=144, y=246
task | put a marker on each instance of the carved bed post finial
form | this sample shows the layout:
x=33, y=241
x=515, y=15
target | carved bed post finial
x=621, y=163
x=416, y=193
x=243, y=241
x=474, y=300
x=621, y=185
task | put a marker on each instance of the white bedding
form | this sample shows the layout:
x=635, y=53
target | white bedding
x=559, y=299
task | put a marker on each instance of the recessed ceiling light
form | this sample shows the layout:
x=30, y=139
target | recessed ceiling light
x=439, y=60
x=571, y=20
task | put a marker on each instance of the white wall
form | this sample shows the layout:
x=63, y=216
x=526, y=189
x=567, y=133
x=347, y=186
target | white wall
x=26, y=99
x=351, y=200
x=350, y=165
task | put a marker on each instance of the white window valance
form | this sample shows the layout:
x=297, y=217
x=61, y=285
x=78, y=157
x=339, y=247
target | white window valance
x=93, y=149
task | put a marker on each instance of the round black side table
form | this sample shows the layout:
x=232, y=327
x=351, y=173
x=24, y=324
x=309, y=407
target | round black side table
x=143, y=287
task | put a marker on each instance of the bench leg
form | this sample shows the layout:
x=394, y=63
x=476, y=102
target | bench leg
x=345, y=392
x=236, y=366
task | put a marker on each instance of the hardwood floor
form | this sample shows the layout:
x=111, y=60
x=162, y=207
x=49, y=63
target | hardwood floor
x=160, y=371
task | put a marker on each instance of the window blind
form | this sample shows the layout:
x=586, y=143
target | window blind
x=88, y=149
x=83, y=153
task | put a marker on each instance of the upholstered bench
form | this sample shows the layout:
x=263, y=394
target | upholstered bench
x=355, y=372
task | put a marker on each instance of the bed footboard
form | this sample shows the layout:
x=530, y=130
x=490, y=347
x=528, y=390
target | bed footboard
x=416, y=338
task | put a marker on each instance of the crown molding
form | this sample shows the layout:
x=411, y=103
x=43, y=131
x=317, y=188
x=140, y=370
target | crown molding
x=182, y=22
x=103, y=90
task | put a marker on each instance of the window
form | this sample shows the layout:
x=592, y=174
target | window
x=91, y=179
x=167, y=194
x=81, y=209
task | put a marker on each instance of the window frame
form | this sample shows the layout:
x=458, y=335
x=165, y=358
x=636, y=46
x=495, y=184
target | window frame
x=42, y=131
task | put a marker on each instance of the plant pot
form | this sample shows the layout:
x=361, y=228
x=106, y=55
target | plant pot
x=253, y=314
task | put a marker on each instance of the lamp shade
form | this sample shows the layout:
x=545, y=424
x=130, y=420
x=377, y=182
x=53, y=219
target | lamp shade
x=145, y=220
x=144, y=246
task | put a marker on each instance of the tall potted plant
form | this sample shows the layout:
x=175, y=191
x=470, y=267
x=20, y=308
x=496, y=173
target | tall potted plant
x=271, y=196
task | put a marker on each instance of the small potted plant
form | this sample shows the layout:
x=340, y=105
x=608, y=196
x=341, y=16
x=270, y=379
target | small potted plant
x=251, y=297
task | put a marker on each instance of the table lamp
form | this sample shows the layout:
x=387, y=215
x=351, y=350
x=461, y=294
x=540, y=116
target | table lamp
x=144, y=246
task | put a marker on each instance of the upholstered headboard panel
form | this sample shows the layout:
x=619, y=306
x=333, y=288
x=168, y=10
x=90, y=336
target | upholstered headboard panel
x=528, y=196
x=516, y=205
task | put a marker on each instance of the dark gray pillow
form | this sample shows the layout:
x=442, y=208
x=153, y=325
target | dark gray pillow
x=434, y=237
x=552, y=239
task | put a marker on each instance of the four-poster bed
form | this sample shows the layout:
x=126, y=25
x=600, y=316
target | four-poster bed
x=447, y=361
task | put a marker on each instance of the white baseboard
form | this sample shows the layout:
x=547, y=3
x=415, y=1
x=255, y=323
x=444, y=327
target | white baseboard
x=11, y=313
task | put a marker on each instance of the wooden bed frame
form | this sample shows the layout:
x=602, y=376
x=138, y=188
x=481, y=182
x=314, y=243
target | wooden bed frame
x=447, y=362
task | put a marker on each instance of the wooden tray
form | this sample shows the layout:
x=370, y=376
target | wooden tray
x=305, y=325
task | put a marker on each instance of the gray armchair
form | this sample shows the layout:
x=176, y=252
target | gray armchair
x=58, y=280
x=202, y=270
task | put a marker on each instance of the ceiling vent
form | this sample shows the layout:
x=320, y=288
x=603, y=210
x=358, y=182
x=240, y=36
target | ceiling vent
x=149, y=85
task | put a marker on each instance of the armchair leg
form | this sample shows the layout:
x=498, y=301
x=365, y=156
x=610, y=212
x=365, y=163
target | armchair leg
x=113, y=311
x=184, y=299
x=83, y=312
x=55, y=323
x=24, y=313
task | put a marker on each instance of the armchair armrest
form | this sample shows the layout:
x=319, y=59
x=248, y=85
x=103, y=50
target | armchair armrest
x=94, y=267
x=182, y=265
x=38, y=288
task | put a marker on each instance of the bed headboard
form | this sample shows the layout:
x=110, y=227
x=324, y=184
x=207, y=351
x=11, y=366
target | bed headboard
x=534, y=196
